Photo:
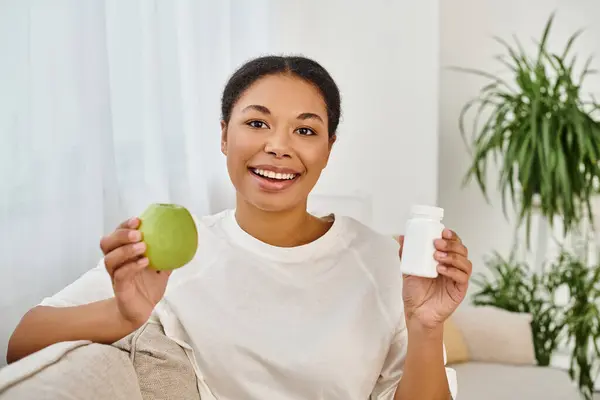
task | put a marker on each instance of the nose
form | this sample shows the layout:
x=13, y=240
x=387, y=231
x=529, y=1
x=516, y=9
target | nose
x=278, y=144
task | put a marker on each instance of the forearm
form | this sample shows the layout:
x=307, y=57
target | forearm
x=424, y=375
x=99, y=322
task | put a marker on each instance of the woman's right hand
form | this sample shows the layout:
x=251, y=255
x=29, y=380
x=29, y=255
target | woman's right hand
x=137, y=288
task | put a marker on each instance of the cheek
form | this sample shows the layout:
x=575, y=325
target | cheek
x=241, y=148
x=315, y=159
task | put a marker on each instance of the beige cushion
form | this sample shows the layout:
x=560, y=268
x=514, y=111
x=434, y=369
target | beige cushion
x=71, y=371
x=163, y=369
x=456, y=348
x=494, y=335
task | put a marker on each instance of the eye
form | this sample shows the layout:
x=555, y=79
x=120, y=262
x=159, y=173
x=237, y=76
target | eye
x=256, y=124
x=305, y=131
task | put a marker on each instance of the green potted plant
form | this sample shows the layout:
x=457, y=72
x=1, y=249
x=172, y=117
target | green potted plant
x=512, y=286
x=515, y=287
x=582, y=319
x=536, y=123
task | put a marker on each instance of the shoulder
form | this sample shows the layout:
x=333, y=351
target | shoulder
x=211, y=246
x=378, y=257
x=215, y=226
x=369, y=243
x=211, y=227
x=378, y=253
x=211, y=221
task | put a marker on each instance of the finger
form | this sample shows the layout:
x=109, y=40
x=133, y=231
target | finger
x=454, y=260
x=451, y=235
x=400, y=240
x=122, y=255
x=106, y=243
x=118, y=238
x=455, y=274
x=451, y=246
x=131, y=223
x=128, y=271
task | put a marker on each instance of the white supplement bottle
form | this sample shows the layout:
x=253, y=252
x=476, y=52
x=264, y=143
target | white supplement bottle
x=423, y=227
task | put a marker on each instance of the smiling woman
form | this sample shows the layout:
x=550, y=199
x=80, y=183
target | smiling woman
x=279, y=122
x=277, y=303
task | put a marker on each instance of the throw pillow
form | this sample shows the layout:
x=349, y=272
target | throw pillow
x=456, y=348
x=494, y=335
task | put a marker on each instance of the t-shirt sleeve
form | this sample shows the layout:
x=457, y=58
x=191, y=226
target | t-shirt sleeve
x=94, y=285
x=391, y=373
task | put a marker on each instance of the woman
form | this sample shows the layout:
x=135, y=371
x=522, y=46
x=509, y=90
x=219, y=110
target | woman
x=277, y=303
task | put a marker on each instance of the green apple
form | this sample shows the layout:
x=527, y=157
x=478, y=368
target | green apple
x=170, y=234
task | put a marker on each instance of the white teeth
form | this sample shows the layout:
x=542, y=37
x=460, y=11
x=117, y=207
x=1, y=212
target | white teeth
x=274, y=175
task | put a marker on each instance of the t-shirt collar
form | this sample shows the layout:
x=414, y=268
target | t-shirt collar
x=310, y=251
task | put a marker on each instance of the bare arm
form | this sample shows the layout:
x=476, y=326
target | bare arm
x=427, y=304
x=424, y=374
x=99, y=322
x=136, y=288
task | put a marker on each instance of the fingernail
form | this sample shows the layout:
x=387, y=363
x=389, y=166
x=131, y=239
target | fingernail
x=135, y=236
x=441, y=268
x=447, y=234
x=441, y=254
x=142, y=261
x=133, y=222
x=139, y=247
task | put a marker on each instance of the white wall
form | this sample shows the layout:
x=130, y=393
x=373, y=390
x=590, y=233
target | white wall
x=384, y=56
x=465, y=39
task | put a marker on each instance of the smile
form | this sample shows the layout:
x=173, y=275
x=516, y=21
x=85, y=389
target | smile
x=273, y=180
x=274, y=175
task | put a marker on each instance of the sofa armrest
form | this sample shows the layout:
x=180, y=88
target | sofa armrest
x=70, y=371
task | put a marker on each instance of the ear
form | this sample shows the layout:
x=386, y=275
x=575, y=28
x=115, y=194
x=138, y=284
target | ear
x=332, y=140
x=224, y=137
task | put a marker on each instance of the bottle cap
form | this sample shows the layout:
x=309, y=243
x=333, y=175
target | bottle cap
x=430, y=211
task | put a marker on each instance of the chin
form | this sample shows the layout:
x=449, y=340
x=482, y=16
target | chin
x=273, y=205
x=270, y=202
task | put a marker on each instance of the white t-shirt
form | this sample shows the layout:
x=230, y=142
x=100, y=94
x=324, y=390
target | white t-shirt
x=320, y=321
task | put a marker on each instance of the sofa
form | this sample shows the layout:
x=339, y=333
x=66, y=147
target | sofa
x=145, y=365
x=492, y=352
x=490, y=349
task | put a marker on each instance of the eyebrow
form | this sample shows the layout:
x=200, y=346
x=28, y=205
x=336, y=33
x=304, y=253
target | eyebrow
x=256, y=107
x=305, y=116
x=265, y=110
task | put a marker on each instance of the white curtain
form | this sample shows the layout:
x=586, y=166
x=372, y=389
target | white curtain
x=108, y=105
x=105, y=107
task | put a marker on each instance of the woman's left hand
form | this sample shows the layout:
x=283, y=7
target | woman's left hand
x=429, y=302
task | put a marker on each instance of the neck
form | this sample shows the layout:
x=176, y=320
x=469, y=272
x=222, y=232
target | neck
x=288, y=228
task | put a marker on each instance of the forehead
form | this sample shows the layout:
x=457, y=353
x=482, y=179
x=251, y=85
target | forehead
x=283, y=94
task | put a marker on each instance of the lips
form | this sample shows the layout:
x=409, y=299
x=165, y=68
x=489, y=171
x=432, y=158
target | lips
x=274, y=179
x=274, y=175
